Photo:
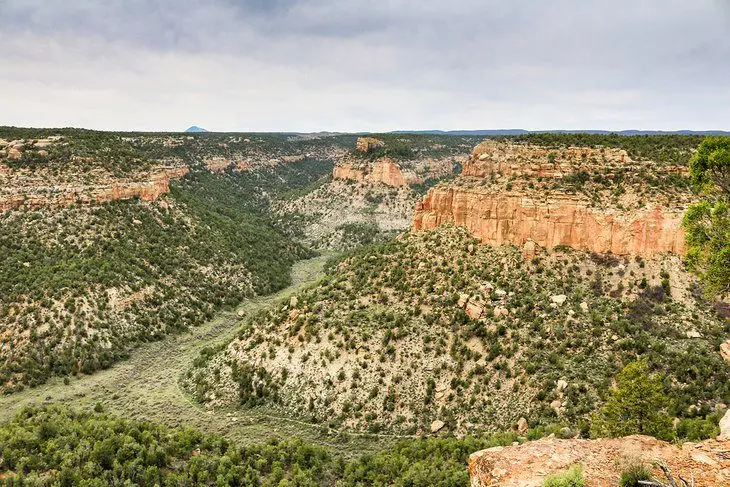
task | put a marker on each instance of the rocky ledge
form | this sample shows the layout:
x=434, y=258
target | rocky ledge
x=551, y=220
x=603, y=460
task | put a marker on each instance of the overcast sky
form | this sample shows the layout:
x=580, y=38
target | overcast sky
x=377, y=65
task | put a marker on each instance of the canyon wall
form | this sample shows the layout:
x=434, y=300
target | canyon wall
x=35, y=196
x=391, y=173
x=511, y=193
x=550, y=221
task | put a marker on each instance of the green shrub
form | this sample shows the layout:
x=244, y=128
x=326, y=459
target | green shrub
x=571, y=478
x=631, y=476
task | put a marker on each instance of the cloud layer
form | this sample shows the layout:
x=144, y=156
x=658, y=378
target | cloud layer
x=310, y=65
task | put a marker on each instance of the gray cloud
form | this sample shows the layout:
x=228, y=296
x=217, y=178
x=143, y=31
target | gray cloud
x=353, y=65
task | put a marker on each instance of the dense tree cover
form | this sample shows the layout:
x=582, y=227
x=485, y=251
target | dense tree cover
x=61, y=447
x=707, y=223
x=211, y=246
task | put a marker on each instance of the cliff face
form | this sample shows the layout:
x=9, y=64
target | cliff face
x=591, y=199
x=389, y=172
x=17, y=192
x=528, y=464
x=384, y=170
x=551, y=220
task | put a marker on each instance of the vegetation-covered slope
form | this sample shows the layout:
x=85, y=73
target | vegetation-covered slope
x=81, y=284
x=53, y=446
x=432, y=327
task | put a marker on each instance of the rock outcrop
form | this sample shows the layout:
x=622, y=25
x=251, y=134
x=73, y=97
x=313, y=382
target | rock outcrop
x=17, y=193
x=392, y=173
x=513, y=159
x=368, y=144
x=551, y=220
x=590, y=199
x=528, y=464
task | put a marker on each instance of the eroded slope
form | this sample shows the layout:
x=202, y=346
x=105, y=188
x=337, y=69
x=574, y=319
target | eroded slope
x=432, y=331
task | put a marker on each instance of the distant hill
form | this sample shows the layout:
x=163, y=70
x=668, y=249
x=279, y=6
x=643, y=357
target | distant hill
x=195, y=128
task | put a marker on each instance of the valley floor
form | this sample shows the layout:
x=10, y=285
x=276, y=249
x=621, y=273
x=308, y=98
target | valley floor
x=146, y=386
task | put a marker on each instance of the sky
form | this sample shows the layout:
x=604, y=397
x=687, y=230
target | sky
x=378, y=65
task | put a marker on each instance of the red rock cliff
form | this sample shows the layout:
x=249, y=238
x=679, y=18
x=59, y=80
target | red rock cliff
x=551, y=220
x=591, y=199
x=33, y=196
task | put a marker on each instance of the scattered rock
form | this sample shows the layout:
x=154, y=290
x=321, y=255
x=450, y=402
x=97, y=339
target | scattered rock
x=463, y=298
x=725, y=351
x=474, y=311
x=522, y=426
x=471, y=248
x=584, y=307
x=725, y=427
x=562, y=385
x=559, y=299
x=437, y=426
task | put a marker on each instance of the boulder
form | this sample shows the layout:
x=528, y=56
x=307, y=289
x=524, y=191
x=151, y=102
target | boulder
x=725, y=427
x=522, y=426
x=293, y=302
x=437, y=426
x=562, y=385
x=725, y=351
x=559, y=299
x=474, y=311
x=694, y=334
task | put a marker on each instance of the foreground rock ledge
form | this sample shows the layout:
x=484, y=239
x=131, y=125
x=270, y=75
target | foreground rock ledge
x=528, y=464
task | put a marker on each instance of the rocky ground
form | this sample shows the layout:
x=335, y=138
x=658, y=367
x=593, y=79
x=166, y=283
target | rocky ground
x=527, y=465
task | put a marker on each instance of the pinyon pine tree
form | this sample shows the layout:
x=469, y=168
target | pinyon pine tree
x=635, y=406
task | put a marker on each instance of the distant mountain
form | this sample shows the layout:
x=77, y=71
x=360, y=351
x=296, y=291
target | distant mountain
x=195, y=128
x=497, y=132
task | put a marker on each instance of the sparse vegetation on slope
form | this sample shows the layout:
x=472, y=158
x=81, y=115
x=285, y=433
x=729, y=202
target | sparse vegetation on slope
x=80, y=285
x=433, y=331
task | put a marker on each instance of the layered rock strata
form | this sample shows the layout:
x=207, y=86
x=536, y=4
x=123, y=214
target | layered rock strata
x=520, y=194
x=149, y=186
x=389, y=172
x=551, y=220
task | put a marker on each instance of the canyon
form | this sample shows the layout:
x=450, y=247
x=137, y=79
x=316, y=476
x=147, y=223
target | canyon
x=391, y=171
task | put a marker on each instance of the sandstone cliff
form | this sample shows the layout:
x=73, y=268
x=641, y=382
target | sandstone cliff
x=393, y=173
x=528, y=464
x=591, y=199
x=509, y=158
x=32, y=191
x=550, y=220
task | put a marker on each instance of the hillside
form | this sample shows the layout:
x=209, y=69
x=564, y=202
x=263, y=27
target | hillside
x=110, y=240
x=432, y=330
